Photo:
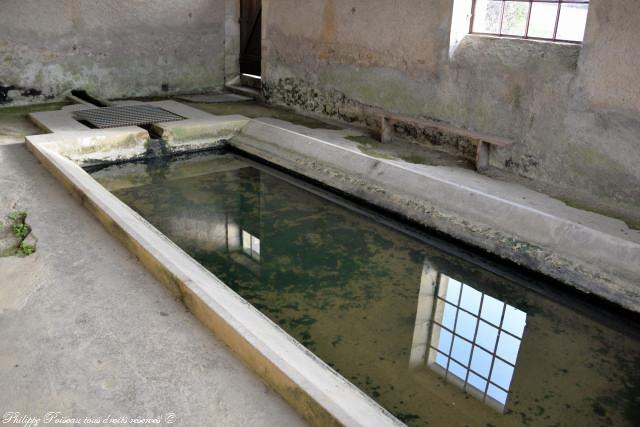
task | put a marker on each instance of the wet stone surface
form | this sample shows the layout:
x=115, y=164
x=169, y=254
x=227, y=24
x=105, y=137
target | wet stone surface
x=432, y=337
x=15, y=125
x=254, y=109
x=409, y=152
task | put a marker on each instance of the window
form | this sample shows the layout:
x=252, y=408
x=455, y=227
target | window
x=475, y=341
x=557, y=20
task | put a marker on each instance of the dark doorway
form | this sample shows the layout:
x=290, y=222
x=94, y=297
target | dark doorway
x=250, y=36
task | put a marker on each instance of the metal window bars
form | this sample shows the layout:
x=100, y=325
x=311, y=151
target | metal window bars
x=502, y=5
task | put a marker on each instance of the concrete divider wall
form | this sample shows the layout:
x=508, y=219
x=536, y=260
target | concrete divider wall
x=590, y=252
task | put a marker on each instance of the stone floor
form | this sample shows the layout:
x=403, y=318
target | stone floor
x=86, y=331
x=14, y=126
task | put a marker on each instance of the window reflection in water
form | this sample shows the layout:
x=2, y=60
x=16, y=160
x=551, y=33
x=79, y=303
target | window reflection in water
x=469, y=337
x=243, y=247
x=251, y=245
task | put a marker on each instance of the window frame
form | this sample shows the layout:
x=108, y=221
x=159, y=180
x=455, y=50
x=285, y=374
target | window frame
x=526, y=31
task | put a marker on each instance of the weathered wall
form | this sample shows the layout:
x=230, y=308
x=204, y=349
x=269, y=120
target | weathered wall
x=111, y=47
x=573, y=111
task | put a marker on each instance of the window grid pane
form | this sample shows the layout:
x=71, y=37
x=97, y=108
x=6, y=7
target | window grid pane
x=486, y=371
x=555, y=20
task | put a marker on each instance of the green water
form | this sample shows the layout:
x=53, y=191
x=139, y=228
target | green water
x=433, y=338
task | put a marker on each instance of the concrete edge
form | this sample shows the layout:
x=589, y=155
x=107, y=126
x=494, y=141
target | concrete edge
x=99, y=145
x=198, y=134
x=198, y=131
x=60, y=120
x=585, y=258
x=314, y=389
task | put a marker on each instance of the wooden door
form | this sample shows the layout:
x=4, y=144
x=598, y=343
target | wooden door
x=250, y=36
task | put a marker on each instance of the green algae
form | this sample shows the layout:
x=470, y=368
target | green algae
x=347, y=288
x=31, y=108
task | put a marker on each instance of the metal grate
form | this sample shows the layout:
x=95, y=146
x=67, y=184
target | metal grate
x=128, y=115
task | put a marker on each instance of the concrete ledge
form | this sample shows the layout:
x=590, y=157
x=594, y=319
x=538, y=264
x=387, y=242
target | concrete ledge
x=591, y=252
x=86, y=146
x=198, y=134
x=60, y=120
x=92, y=146
x=320, y=394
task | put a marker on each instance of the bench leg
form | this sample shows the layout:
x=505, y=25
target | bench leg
x=385, y=130
x=482, y=156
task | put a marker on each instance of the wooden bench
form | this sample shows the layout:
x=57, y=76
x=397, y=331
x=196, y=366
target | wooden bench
x=483, y=141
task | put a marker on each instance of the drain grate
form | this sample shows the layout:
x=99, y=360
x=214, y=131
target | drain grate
x=128, y=115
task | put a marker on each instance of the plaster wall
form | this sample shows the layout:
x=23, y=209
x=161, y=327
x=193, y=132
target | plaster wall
x=573, y=111
x=112, y=48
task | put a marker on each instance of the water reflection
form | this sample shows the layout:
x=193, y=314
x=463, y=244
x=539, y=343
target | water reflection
x=251, y=246
x=366, y=299
x=473, y=338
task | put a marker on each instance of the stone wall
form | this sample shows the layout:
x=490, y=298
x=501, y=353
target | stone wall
x=572, y=110
x=110, y=47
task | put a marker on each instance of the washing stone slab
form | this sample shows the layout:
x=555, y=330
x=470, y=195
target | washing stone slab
x=198, y=134
x=590, y=252
x=96, y=146
x=60, y=120
x=198, y=131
